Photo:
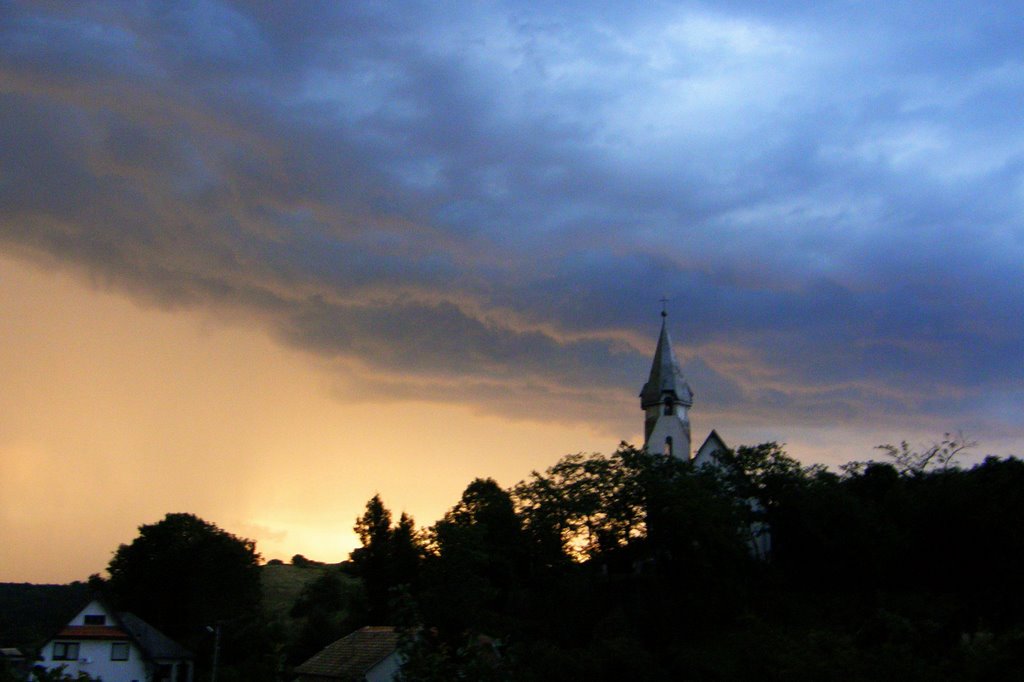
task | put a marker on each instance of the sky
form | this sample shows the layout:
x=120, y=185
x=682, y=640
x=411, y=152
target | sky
x=260, y=261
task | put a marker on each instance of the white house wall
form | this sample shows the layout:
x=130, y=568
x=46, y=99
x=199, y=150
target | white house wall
x=94, y=659
x=386, y=670
x=94, y=654
x=94, y=608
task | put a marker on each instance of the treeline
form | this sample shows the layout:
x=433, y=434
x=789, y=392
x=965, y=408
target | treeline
x=31, y=613
x=637, y=566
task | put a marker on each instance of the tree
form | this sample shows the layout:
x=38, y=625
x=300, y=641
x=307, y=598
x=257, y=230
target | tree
x=406, y=552
x=60, y=674
x=326, y=609
x=764, y=472
x=389, y=556
x=937, y=456
x=182, y=575
x=374, y=527
x=483, y=532
x=585, y=505
x=476, y=561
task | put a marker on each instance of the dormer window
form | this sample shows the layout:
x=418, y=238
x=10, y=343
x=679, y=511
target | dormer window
x=95, y=620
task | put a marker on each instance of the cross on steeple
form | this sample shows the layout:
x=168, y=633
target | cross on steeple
x=664, y=306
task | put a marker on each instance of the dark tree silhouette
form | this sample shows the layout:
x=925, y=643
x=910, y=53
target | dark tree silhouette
x=586, y=505
x=389, y=556
x=182, y=574
x=326, y=609
x=638, y=566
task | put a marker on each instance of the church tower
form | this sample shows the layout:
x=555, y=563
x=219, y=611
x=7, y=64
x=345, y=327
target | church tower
x=665, y=399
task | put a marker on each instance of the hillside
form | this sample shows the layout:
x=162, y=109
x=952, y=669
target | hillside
x=29, y=614
x=282, y=584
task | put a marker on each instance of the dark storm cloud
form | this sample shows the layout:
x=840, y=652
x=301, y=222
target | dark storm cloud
x=498, y=194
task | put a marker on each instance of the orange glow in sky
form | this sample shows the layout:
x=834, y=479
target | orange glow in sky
x=113, y=415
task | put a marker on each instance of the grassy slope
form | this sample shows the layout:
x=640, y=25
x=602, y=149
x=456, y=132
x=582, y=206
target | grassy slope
x=282, y=585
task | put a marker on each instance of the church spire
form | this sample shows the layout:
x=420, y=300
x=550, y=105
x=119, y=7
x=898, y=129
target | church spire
x=665, y=379
x=665, y=399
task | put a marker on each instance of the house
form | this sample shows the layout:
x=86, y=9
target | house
x=13, y=664
x=117, y=647
x=369, y=654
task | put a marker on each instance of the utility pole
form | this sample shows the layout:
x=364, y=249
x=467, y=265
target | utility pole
x=216, y=650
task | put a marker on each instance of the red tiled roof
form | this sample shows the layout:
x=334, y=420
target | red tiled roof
x=92, y=632
x=351, y=657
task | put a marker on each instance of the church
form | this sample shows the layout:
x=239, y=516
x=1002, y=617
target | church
x=666, y=399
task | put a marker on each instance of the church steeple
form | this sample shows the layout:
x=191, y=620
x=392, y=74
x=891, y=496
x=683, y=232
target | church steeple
x=665, y=399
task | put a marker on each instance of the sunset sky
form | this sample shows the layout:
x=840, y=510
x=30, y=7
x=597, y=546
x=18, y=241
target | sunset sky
x=259, y=261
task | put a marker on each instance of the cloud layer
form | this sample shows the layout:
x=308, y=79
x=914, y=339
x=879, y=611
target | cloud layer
x=482, y=203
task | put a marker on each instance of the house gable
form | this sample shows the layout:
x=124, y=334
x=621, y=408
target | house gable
x=117, y=647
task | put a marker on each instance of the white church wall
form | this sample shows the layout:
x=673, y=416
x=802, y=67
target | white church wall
x=670, y=426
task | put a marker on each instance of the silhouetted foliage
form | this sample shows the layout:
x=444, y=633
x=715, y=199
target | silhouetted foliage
x=303, y=562
x=327, y=609
x=29, y=614
x=638, y=566
x=390, y=556
x=477, y=559
x=60, y=674
x=430, y=657
x=936, y=457
x=183, y=574
x=583, y=505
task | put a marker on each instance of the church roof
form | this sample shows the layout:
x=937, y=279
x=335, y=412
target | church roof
x=666, y=378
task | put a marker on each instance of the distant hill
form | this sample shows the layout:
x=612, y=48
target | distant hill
x=282, y=584
x=30, y=614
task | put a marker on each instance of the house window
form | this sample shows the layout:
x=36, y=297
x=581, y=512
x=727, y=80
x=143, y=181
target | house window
x=119, y=651
x=668, y=446
x=65, y=651
x=164, y=672
x=95, y=620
